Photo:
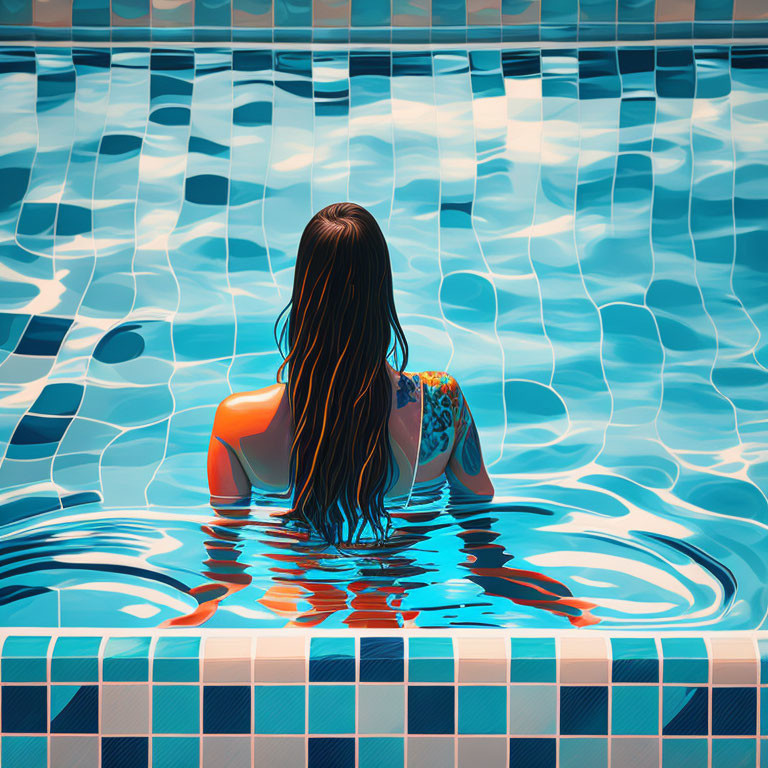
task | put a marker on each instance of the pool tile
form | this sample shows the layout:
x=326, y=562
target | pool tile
x=532, y=753
x=124, y=752
x=482, y=709
x=635, y=753
x=685, y=660
x=176, y=660
x=532, y=710
x=762, y=646
x=331, y=708
x=75, y=660
x=584, y=710
x=430, y=752
x=227, y=660
x=24, y=709
x=381, y=708
x=734, y=711
x=175, y=751
x=126, y=659
x=25, y=659
x=635, y=660
x=279, y=751
x=24, y=751
x=381, y=659
x=430, y=660
x=488, y=752
x=226, y=709
x=734, y=753
x=635, y=710
x=734, y=660
x=175, y=709
x=684, y=753
x=74, y=751
x=331, y=753
x=124, y=709
x=280, y=660
x=430, y=709
x=482, y=660
x=578, y=753
x=279, y=709
x=532, y=660
x=74, y=709
x=380, y=752
x=229, y=751
x=584, y=660
x=332, y=660
x=684, y=711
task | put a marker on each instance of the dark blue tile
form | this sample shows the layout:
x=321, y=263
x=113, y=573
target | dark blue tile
x=584, y=710
x=734, y=711
x=25, y=709
x=381, y=659
x=43, y=336
x=635, y=660
x=331, y=753
x=226, y=709
x=430, y=709
x=59, y=399
x=332, y=660
x=124, y=751
x=532, y=753
x=74, y=709
x=685, y=711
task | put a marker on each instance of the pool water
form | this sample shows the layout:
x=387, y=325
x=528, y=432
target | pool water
x=578, y=235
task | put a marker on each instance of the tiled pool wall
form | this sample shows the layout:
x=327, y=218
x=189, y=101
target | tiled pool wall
x=376, y=700
x=381, y=21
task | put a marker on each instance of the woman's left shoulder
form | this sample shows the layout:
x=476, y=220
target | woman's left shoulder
x=255, y=408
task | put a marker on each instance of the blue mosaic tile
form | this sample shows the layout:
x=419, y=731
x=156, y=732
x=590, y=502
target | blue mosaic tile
x=764, y=711
x=24, y=751
x=430, y=660
x=734, y=711
x=226, y=709
x=175, y=709
x=380, y=752
x=332, y=708
x=24, y=709
x=635, y=660
x=126, y=659
x=332, y=660
x=176, y=660
x=175, y=751
x=25, y=659
x=124, y=752
x=533, y=660
x=331, y=753
x=482, y=709
x=685, y=753
x=685, y=711
x=685, y=660
x=532, y=753
x=734, y=753
x=43, y=335
x=533, y=710
x=74, y=709
x=635, y=710
x=430, y=709
x=75, y=660
x=279, y=709
x=381, y=709
x=583, y=710
x=381, y=659
x=577, y=753
x=762, y=645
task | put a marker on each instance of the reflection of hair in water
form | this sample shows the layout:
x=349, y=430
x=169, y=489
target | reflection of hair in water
x=339, y=330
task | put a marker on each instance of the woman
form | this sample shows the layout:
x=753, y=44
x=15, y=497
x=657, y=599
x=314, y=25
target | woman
x=348, y=430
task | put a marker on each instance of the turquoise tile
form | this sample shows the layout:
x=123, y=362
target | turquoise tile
x=579, y=753
x=684, y=753
x=635, y=660
x=532, y=660
x=176, y=660
x=176, y=708
x=331, y=708
x=763, y=712
x=126, y=659
x=734, y=753
x=482, y=709
x=762, y=645
x=332, y=659
x=75, y=660
x=380, y=752
x=25, y=659
x=685, y=660
x=279, y=709
x=175, y=752
x=24, y=752
x=763, y=753
x=635, y=710
x=430, y=660
x=533, y=710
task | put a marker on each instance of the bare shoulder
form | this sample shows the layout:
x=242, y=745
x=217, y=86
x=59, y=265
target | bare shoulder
x=248, y=411
x=441, y=386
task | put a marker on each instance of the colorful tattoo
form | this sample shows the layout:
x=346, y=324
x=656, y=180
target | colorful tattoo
x=406, y=391
x=470, y=452
x=442, y=404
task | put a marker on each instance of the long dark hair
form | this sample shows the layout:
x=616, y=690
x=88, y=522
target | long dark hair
x=340, y=325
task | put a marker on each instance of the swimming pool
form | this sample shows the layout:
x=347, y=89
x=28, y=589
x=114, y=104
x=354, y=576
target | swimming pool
x=577, y=234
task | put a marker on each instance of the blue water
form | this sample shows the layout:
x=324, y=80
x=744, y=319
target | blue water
x=579, y=236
